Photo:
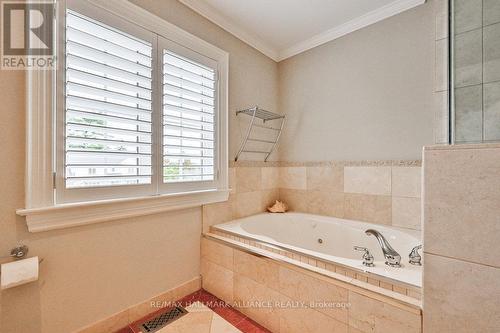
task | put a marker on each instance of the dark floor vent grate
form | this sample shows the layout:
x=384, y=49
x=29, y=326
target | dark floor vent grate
x=165, y=318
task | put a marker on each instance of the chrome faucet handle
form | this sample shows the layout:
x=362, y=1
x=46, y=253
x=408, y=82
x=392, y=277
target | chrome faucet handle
x=415, y=258
x=367, y=256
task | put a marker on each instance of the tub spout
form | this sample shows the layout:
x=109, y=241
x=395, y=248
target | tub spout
x=392, y=258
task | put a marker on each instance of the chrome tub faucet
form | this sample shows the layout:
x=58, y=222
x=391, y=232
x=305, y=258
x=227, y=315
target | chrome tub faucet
x=392, y=258
x=415, y=258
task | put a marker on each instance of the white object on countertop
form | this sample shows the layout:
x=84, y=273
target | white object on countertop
x=19, y=272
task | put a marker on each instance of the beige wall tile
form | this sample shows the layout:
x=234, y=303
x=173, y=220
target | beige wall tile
x=406, y=213
x=369, y=208
x=367, y=180
x=218, y=212
x=460, y=297
x=462, y=193
x=370, y=315
x=406, y=181
x=295, y=199
x=385, y=285
x=302, y=287
x=217, y=253
x=248, y=179
x=270, y=178
x=248, y=291
x=325, y=178
x=232, y=179
x=263, y=271
x=325, y=203
x=268, y=198
x=414, y=294
x=293, y=178
x=305, y=320
x=399, y=289
x=217, y=280
x=248, y=203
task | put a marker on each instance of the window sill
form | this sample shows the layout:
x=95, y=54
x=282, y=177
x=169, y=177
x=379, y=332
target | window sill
x=77, y=214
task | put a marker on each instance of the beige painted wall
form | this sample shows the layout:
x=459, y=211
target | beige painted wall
x=365, y=96
x=253, y=77
x=92, y=272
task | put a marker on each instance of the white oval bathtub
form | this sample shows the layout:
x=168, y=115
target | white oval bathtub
x=300, y=232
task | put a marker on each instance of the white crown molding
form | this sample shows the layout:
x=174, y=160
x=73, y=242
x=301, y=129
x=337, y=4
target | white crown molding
x=360, y=22
x=230, y=26
x=394, y=8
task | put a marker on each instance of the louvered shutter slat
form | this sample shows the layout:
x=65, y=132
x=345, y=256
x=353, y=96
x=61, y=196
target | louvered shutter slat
x=188, y=120
x=108, y=105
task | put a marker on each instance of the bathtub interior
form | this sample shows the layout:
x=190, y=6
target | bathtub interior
x=332, y=239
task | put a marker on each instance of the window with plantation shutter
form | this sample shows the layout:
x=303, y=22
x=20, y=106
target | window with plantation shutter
x=108, y=105
x=189, y=98
x=139, y=114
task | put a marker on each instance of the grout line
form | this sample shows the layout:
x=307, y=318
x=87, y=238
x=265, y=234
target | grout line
x=460, y=259
x=470, y=30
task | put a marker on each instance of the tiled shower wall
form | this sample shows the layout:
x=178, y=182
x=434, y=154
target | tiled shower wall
x=477, y=70
x=382, y=192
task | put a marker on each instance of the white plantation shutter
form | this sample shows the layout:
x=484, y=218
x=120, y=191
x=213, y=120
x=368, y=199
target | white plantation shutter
x=108, y=106
x=189, y=102
x=137, y=112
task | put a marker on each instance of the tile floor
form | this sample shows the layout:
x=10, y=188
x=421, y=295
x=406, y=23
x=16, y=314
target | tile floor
x=206, y=314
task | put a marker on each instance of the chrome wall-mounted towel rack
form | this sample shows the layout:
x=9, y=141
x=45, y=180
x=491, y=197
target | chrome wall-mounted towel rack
x=263, y=115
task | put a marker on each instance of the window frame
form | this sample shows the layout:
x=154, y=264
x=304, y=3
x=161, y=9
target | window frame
x=44, y=206
x=69, y=195
x=176, y=187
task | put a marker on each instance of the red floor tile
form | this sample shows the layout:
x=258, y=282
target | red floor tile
x=230, y=314
x=234, y=317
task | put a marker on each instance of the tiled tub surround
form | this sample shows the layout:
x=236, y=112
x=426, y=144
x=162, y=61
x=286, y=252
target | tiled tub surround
x=381, y=192
x=299, y=297
x=329, y=241
x=359, y=277
x=461, y=238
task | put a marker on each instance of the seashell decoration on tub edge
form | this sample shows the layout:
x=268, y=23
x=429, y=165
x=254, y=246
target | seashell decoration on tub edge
x=278, y=207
